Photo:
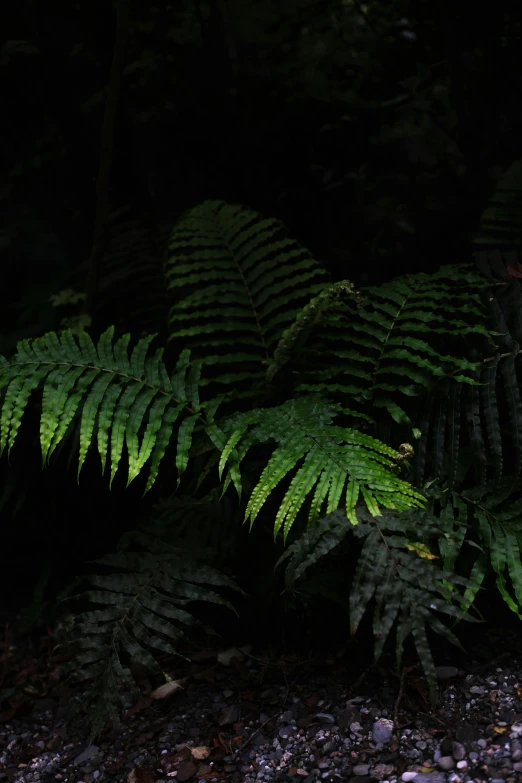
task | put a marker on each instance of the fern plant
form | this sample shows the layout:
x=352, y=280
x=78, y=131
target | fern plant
x=350, y=361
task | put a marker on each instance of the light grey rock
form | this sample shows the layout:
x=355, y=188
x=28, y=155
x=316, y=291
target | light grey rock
x=446, y=763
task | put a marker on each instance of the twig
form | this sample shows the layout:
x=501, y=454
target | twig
x=256, y=732
x=399, y=698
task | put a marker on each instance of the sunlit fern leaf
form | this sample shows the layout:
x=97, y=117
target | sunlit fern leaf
x=118, y=399
x=138, y=610
x=237, y=282
x=351, y=461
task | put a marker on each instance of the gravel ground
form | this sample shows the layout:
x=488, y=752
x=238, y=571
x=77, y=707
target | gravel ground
x=263, y=720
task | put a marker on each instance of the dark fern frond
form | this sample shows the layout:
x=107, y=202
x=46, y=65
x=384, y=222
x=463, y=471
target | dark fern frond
x=205, y=528
x=315, y=543
x=121, y=397
x=505, y=360
x=398, y=342
x=501, y=222
x=497, y=521
x=237, y=281
x=138, y=611
x=492, y=409
x=396, y=570
x=133, y=263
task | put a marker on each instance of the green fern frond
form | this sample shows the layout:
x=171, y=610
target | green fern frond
x=296, y=336
x=238, y=281
x=141, y=608
x=120, y=397
x=337, y=462
x=394, y=343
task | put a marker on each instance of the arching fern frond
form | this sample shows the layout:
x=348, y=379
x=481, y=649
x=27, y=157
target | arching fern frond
x=237, y=281
x=119, y=397
x=337, y=462
x=296, y=336
x=397, y=340
x=140, y=609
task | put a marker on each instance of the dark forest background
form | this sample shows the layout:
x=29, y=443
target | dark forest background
x=375, y=131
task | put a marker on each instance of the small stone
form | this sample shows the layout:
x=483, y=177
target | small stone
x=326, y=717
x=407, y=776
x=329, y=747
x=458, y=751
x=446, y=763
x=361, y=769
x=286, y=731
x=382, y=730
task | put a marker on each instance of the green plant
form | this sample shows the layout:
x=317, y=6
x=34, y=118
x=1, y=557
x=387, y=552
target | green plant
x=414, y=356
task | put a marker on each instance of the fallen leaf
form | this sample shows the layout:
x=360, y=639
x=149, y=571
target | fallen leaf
x=200, y=752
x=166, y=689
